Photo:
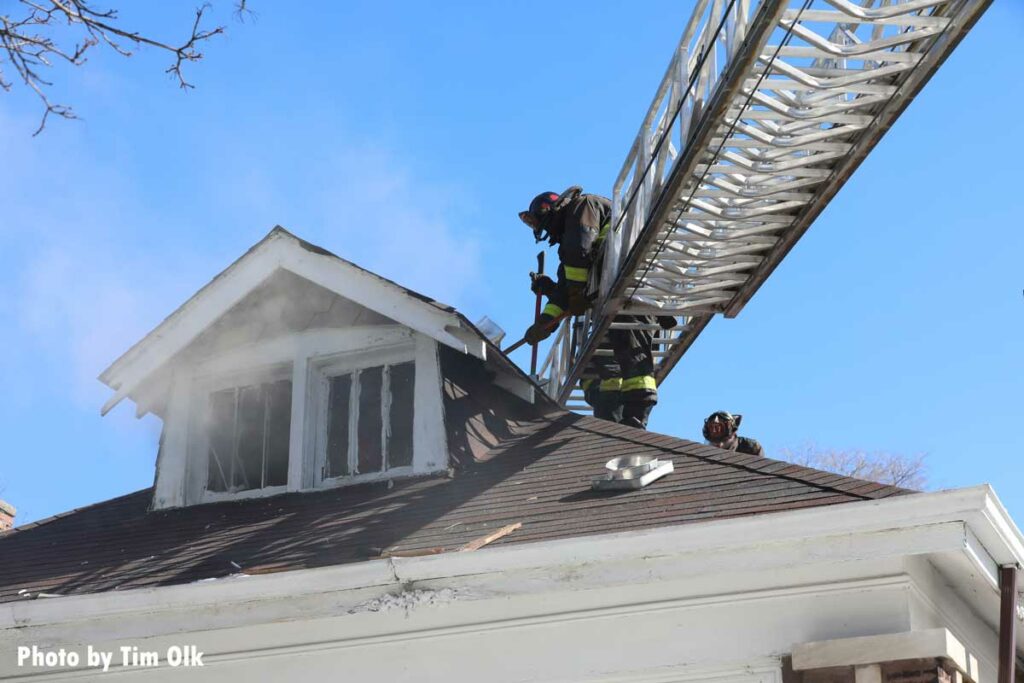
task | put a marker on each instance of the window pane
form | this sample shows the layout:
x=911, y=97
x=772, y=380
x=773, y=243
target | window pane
x=279, y=420
x=370, y=423
x=251, y=422
x=221, y=431
x=248, y=433
x=403, y=379
x=337, y=432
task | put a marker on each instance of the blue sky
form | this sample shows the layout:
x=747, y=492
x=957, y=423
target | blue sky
x=406, y=136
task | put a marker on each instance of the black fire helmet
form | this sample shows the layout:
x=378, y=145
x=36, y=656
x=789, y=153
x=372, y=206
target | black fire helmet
x=534, y=216
x=720, y=426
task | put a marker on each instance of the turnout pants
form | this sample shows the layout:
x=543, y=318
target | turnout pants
x=634, y=353
x=602, y=387
x=624, y=390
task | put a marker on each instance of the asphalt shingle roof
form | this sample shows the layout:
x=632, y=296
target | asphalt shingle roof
x=512, y=462
x=539, y=477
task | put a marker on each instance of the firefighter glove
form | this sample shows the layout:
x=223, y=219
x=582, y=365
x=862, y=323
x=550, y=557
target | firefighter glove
x=542, y=284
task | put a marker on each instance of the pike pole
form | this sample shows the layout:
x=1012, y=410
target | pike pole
x=536, y=314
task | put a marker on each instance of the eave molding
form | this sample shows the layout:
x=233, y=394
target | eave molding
x=919, y=524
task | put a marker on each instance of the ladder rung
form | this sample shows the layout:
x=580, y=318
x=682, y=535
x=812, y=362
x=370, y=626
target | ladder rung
x=815, y=53
x=829, y=16
x=635, y=326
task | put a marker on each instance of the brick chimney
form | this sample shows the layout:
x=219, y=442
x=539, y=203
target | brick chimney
x=7, y=513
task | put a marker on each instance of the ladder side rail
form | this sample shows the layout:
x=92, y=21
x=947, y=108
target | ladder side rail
x=694, y=326
x=678, y=99
x=653, y=155
x=557, y=358
x=634, y=168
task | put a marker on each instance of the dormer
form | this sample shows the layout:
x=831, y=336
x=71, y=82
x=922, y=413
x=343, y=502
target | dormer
x=295, y=370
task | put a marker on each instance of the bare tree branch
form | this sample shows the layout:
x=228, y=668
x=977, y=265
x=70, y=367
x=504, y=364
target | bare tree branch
x=887, y=468
x=242, y=12
x=27, y=43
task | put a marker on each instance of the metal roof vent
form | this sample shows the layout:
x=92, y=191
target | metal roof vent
x=631, y=472
x=490, y=329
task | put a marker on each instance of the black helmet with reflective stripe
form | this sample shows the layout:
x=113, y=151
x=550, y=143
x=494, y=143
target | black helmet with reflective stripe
x=534, y=216
x=543, y=203
x=721, y=426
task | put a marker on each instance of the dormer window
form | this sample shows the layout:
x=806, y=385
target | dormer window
x=316, y=409
x=365, y=422
x=294, y=370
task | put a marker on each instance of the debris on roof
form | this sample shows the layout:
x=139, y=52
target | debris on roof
x=475, y=544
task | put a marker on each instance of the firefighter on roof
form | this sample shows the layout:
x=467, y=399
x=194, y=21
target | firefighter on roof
x=624, y=390
x=720, y=431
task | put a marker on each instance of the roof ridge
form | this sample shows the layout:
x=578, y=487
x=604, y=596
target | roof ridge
x=683, y=449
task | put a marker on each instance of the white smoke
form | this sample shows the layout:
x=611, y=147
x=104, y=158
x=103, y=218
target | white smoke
x=99, y=267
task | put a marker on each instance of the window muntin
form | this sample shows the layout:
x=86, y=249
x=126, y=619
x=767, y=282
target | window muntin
x=248, y=431
x=369, y=420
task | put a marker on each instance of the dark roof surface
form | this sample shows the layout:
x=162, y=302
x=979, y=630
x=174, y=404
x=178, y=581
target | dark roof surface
x=538, y=475
x=513, y=462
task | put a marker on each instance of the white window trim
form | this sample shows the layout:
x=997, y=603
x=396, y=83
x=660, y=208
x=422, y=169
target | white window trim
x=182, y=468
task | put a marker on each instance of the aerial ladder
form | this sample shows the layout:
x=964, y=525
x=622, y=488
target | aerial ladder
x=764, y=112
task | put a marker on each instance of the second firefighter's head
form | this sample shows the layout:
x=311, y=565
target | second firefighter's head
x=720, y=428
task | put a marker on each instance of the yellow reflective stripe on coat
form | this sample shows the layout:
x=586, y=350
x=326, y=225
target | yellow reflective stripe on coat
x=553, y=310
x=586, y=382
x=612, y=384
x=576, y=274
x=641, y=382
x=604, y=231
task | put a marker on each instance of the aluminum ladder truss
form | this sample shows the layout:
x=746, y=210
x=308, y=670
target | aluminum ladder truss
x=763, y=114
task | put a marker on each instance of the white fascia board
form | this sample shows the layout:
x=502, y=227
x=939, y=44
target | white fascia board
x=997, y=531
x=982, y=561
x=278, y=250
x=195, y=315
x=183, y=326
x=906, y=525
